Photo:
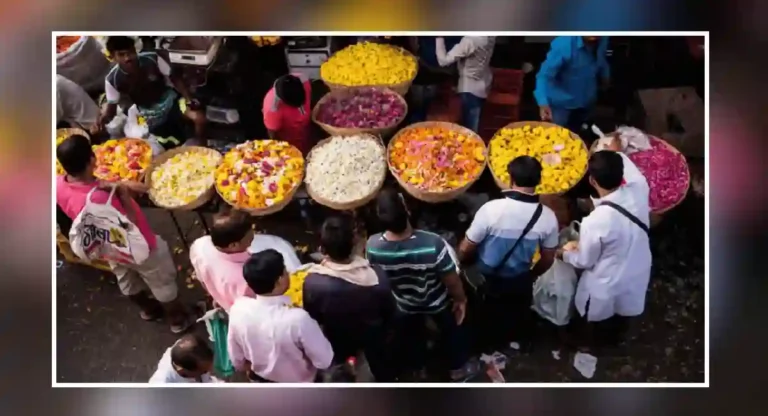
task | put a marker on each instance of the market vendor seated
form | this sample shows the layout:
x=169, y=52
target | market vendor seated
x=146, y=79
x=287, y=111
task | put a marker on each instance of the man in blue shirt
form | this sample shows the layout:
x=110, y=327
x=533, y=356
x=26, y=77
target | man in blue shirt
x=567, y=82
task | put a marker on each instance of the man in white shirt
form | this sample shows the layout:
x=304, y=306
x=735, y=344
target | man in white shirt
x=613, y=247
x=268, y=338
x=189, y=360
x=505, y=234
x=473, y=57
x=74, y=106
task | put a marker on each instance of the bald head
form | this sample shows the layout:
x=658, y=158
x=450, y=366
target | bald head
x=231, y=231
x=192, y=354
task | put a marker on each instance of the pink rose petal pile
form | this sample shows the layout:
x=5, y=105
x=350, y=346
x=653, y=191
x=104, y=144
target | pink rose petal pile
x=368, y=108
x=666, y=172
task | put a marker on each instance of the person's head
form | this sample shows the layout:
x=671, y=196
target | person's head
x=290, y=90
x=606, y=171
x=265, y=273
x=391, y=211
x=231, y=231
x=191, y=356
x=337, y=238
x=524, y=172
x=123, y=51
x=76, y=156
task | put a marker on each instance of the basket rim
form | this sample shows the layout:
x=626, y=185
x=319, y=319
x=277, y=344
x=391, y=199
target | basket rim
x=274, y=207
x=355, y=203
x=158, y=160
x=351, y=90
x=391, y=86
x=687, y=171
x=448, y=194
x=537, y=123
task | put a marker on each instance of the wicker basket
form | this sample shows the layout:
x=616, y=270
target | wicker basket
x=353, y=204
x=203, y=198
x=401, y=88
x=260, y=212
x=341, y=131
x=503, y=185
x=660, y=212
x=435, y=197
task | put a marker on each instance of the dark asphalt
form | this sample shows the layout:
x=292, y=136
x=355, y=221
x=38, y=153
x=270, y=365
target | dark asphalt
x=100, y=337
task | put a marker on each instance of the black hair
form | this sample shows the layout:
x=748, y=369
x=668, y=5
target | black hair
x=229, y=227
x=607, y=169
x=525, y=171
x=263, y=270
x=120, y=43
x=337, y=237
x=391, y=210
x=75, y=154
x=189, y=351
x=290, y=90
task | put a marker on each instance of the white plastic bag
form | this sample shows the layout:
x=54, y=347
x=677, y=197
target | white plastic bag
x=132, y=126
x=632, y=139
x=553, y=293
x=84, y=64
x=101, y=232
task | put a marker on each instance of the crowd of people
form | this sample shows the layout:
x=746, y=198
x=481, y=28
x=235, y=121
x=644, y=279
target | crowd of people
x=409, y=279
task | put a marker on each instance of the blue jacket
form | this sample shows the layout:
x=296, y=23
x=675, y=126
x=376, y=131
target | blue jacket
x=568, y=77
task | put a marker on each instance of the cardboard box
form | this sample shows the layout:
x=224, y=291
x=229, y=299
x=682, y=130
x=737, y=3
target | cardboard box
x=675, y=115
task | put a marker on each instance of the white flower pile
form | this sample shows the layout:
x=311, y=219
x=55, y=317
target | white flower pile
x=183, y=178
x=346, y=169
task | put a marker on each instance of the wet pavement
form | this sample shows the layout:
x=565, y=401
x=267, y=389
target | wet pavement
x=100, y=337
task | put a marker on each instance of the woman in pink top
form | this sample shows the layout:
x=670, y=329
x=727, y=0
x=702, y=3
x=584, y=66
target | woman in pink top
x=218, y=258
x=287, y=111
x=158, y=272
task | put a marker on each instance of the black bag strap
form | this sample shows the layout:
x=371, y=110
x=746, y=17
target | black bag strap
x=528, y=227
x=627, y=214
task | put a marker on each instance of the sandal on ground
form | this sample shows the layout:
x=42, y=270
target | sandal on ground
x=150, y=317
x=182, y=327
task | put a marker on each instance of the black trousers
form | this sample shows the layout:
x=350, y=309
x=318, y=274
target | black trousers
x=371, y=340
x=507, y=314
x=411, y=340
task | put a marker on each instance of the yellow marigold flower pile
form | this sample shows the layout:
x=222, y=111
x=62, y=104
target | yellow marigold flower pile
x=436, y=159
x=122, y=159
x=296, y=289
x=369, y=63
x=259, y=173
x=265, y=40
x=563, y=158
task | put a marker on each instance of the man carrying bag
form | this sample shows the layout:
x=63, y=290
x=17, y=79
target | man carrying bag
x=504, y=235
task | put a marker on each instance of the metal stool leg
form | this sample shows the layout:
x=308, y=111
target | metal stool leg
x=178, y=229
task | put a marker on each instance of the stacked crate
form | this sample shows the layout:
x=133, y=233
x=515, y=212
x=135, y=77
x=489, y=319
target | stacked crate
x=503, y=104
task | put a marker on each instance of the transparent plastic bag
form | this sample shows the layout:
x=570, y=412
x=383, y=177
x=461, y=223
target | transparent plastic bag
x=553, y=293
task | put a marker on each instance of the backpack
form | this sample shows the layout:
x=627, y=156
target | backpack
x=101, y=232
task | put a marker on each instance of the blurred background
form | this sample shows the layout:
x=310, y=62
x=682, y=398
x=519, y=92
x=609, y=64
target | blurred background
x=737, y=102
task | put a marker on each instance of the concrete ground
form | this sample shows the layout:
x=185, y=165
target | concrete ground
x=100, y=337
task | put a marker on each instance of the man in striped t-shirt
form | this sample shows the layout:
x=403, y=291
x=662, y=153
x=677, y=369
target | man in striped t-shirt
x=425, y=283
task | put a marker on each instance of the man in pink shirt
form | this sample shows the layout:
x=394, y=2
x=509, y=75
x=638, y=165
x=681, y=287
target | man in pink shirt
x=158, y=272
x=218, y=258
x=268, y=338
x=287, y=111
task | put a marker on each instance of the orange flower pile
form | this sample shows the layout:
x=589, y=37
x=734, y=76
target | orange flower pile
x=64, y=42
x=122, y=159
x=259, y=173
x=436, y=159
